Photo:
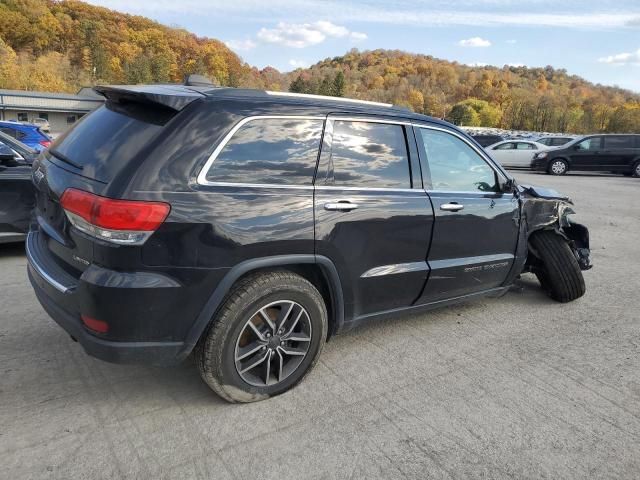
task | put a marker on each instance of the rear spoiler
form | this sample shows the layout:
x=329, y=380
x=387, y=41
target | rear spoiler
x=175, y=97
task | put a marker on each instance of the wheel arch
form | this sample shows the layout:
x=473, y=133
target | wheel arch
x=317, y=269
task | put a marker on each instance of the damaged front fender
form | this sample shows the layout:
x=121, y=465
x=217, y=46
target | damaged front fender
x=545, y=209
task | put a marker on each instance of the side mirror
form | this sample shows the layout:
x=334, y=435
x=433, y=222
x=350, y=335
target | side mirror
x=507, y=186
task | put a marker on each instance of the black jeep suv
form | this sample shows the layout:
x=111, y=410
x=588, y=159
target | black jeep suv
x=593, y=153
x=250, y=226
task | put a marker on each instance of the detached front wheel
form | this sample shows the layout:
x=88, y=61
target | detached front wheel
x=558, y=270
x=267, y=336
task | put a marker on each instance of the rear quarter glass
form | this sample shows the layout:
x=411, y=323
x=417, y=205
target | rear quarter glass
x=108, y=138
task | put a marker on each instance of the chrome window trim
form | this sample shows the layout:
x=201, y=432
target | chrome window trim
x=202, y=176
x=483, y=155
x=367, y=119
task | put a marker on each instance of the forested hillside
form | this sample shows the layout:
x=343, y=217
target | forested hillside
x=540, y=99
x=62, y=45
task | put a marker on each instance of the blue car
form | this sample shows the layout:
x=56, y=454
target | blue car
x=27, y=133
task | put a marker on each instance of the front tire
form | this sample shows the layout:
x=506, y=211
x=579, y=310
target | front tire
x=557, y=166
x=266, y=337
x=559, y=273
x=636, y=170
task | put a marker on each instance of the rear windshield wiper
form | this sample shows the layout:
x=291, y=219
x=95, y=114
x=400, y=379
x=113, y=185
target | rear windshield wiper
x=65, y=159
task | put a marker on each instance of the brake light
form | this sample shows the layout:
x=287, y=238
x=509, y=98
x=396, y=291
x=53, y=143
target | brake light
x=45, y=143
x=96, y=325
x=128, y=222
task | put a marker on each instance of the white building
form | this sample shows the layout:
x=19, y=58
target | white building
x=62, y=110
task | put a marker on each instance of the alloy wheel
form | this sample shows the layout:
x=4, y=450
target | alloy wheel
x=273, y=343
x=558, y=167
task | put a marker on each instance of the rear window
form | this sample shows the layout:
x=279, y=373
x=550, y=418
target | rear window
x=106, y=140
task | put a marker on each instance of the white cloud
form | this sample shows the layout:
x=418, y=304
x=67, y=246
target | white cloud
x=298, y=63
x=516, y=65
x=477, y=64
x=474, y=42
x=301, y=35
x=627, y=58
x=241, y=45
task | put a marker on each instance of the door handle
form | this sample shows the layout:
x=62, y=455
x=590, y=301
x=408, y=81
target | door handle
x=341, y=206
x=451, y=207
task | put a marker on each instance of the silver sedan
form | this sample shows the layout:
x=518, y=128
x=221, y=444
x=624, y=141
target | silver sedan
x=515, y=153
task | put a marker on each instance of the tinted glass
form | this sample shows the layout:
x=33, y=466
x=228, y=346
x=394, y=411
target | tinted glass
x=270, y=151
x=619, y=142
x=559, y=141
x=372, y=155
x=590, y=144
x=454, y=165
x=505, y=146
x=105, y=141
x=546, y=141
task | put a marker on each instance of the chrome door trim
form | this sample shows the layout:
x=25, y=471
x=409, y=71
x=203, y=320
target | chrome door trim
x=395, y=268
x=202, y=175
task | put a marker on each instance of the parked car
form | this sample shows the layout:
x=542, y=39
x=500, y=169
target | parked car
x=555, y=141
x=29, y=134
x=43, y=124
x=486, y=140
x=593, y=153
x=16, y=189
x=250, y=226
x=515, y=153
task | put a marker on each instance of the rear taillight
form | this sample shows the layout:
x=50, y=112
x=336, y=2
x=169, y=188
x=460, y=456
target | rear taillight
x=127, y=222
x=45, y=143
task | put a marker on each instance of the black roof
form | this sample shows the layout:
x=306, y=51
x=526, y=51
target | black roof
x=179, y=96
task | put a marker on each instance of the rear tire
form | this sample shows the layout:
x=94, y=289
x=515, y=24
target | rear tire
x=279, y=317
x=636, y=169
x=559, y=275
x=557, y=166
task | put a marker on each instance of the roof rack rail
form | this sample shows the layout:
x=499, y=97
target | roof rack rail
x=326, y=97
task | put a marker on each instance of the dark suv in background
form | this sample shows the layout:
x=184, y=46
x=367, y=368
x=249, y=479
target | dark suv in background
x=593, y=153
x=250, y=226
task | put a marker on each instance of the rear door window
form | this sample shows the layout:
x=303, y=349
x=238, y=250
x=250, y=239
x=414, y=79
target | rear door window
x=525, y=146
x=273, y=151
x=369, y=155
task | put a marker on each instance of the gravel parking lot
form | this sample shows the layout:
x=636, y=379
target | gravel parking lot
x=517, y=387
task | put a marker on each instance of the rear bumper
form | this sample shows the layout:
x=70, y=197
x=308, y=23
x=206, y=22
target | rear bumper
x=63, y=297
